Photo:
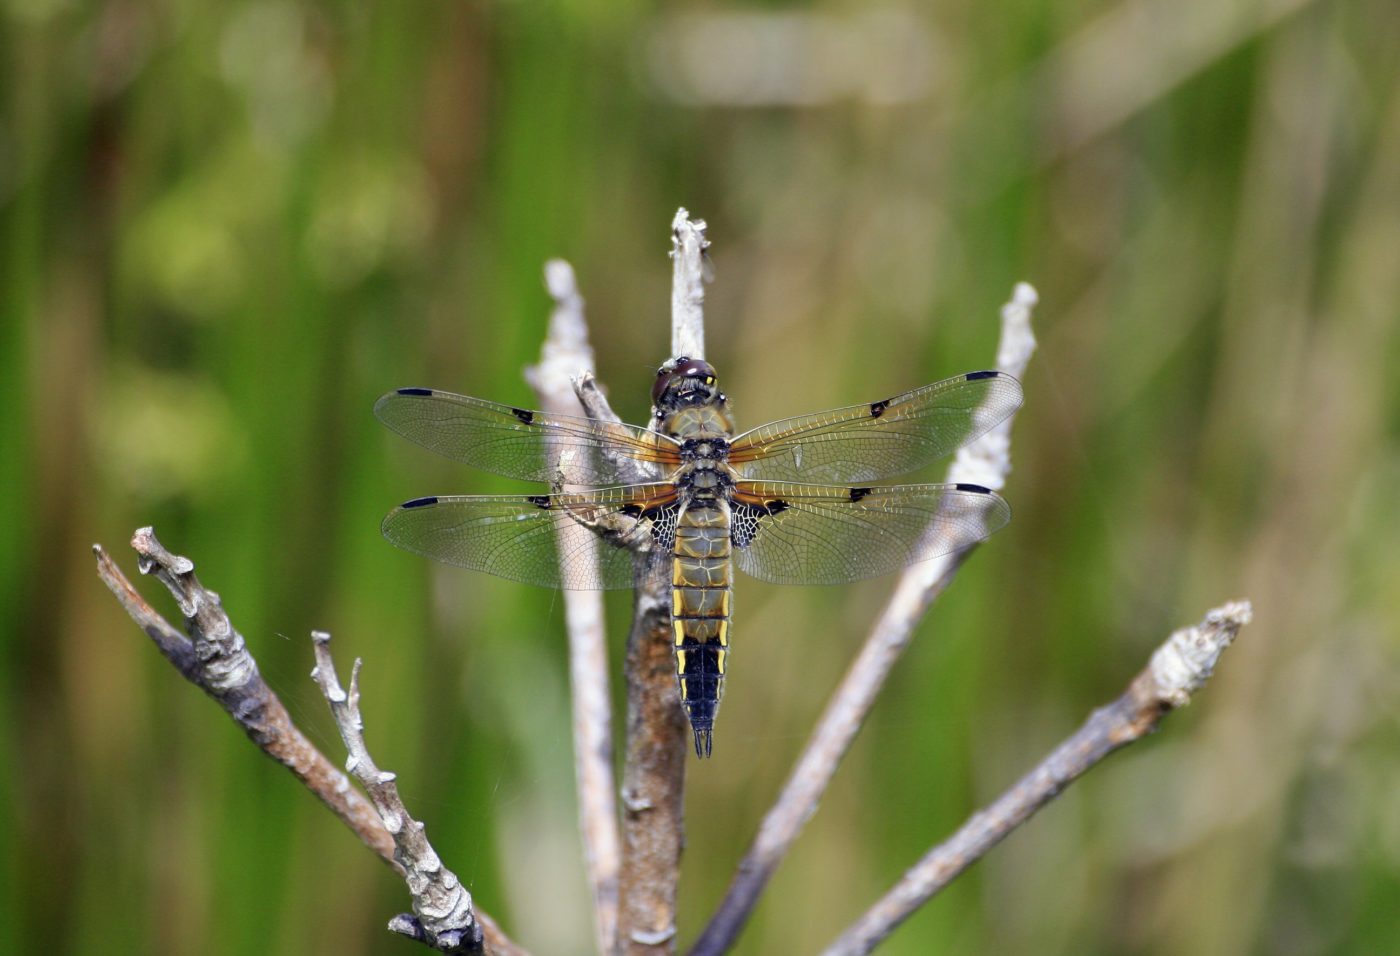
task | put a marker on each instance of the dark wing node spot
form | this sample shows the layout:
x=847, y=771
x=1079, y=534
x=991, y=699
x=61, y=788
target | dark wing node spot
x=539, y=501
x=415, y=391
x=968, y=486
x=419, y=503
x=974, y=376
x=631, y=511
x=878, y=408
x=776, y=507
x=527, y=417
x=859, y=493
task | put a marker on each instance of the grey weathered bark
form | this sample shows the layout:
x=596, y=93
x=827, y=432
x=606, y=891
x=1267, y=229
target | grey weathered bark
x=1178, y=669
x=564, y=357
x=653, y=783
x=215, y=658
x=442, y=916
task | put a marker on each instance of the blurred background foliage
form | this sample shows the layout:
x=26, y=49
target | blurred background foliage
x=226, y=228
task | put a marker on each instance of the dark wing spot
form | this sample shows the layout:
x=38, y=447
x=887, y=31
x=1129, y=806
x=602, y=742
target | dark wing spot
x=968, y=486
x=415, y=391
x=419, y=503
x=539, y=501
x=974, y=376
x=631, y=511
x=859, y=493
x=525, y=416
x=746, y=519
x=878, y=408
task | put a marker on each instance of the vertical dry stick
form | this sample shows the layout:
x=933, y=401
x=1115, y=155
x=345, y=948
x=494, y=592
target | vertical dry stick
x=688, y=245
x=654, y=776
x=564, y=355
x=985, y=462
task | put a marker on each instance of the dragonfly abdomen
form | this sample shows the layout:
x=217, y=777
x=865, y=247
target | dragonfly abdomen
x=700, y=609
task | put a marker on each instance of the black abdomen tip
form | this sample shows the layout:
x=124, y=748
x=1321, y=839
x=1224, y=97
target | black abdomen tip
x=704, y=740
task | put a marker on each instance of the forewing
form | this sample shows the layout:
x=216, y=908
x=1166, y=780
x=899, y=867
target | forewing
x=520, y=443
x=790, y=533
x=881, y=439
x=546, y=540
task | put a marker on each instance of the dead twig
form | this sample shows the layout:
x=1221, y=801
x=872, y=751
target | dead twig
x=985, y=462
x=689, y=258
x=564, y=357
x=1178, y=669
x=442, y=914
x=653, y=777
x=215, y=658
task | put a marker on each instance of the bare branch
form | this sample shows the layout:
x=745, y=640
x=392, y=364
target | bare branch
x=688, y=245
x=1178, y=669
x=215, y=658
x=986, y=462
x=442, y=908
x=653, y=783
x=564, y=358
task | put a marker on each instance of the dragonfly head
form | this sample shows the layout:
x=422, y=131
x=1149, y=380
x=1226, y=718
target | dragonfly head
x=685, y=381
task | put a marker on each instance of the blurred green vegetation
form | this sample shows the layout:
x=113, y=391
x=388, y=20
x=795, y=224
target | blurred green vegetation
x=226, y=228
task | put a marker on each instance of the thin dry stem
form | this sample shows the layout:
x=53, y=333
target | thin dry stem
x=986, y=462
x=564, y=357
x=688, y=255
x=442, y=915
x=215, y=658
x=653, y=780
x=1178, y=669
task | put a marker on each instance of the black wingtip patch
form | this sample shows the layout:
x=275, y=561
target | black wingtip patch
x=878, y=408
x=419, y=503
x=413, y=391
x=526, y=416
x=859, y=493
x=974, y=376
x=539, y=501
x=968, y=486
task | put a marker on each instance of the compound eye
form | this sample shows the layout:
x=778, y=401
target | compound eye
x=663, y=379
x=678, y=369
x=696, y=368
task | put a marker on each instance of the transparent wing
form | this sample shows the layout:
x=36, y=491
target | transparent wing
x=791, y=533
x=879, y=440
x=546, y=540
x=520, y=443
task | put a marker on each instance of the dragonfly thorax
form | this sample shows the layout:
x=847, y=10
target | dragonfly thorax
x=703, y=449
x=706, y=478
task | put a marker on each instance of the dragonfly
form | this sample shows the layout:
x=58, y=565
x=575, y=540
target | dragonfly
x=790, y=502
